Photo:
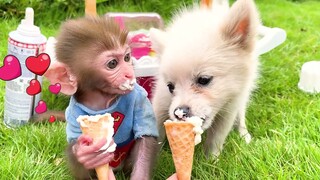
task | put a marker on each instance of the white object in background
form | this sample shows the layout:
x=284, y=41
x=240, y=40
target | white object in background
x=270, y=38
x=146, y=66
x=26, y=41
x=310, y=77
x=50, y=49
x=145, y=70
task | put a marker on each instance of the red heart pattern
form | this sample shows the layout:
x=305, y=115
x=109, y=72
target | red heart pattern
x=38, y=65
x=34, y=87
x=41, y=107
x=11, y=68
x=52, y=119
x=55, y=88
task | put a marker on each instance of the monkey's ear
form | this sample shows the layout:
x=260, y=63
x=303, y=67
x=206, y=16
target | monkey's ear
x=158, y=39
x=60, y=73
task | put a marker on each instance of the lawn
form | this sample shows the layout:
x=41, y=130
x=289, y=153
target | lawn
x=283, y=120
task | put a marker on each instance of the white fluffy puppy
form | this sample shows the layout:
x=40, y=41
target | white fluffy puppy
x=207, y=69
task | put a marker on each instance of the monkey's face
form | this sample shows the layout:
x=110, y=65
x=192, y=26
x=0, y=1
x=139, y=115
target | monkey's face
x=116, y=69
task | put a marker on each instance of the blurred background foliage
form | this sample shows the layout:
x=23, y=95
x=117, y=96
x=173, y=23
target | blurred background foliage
x=54, y=11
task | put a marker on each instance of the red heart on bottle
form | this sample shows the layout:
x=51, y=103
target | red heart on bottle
x=41, y=107
x=55, y=89
x=11, y=68
x=39, y=64
x=34, y=87
x=52, y=119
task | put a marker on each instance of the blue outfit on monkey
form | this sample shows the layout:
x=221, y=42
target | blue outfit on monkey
x=133, y=118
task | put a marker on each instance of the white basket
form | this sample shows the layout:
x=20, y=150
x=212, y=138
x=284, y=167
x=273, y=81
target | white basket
x=146, y=66
x=310, y=77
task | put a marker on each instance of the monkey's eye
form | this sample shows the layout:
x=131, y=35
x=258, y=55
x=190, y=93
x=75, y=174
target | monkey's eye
x=127, y=57
x=204, y=80
x=170, y=87
x=112, y=64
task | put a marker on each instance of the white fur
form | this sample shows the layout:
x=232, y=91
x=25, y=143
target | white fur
x=208, y=42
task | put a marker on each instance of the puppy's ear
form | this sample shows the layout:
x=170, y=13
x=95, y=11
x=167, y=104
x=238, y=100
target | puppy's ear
x=158, y=39
x=240, y=25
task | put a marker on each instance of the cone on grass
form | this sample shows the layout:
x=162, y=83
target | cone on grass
x=181, y=140
x=91, y=7
x=206, y=3
x=97, y=130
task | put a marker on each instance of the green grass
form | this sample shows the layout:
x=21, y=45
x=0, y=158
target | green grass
x=284, y=121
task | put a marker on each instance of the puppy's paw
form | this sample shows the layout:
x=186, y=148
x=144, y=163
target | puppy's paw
x=214, y=153
x=247, y=137
x=213, y=157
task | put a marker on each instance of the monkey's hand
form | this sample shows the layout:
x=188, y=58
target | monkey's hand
x=173, y=177
x=90, y=154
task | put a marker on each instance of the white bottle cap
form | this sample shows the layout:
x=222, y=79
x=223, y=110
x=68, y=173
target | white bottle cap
x=27, y=27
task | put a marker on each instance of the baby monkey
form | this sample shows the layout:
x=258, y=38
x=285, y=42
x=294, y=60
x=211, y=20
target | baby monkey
x=95, y=68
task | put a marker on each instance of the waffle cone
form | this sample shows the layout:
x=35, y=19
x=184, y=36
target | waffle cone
x=181, y=140
x=97, y=130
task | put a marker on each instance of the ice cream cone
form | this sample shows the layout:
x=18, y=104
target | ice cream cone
x=181, y=139
x=98, y=127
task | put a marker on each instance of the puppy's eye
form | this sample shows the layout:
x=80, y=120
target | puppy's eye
x=204, y=80
x=170, y=87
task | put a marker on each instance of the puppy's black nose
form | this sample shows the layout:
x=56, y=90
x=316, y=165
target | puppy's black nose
x=182, y=112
